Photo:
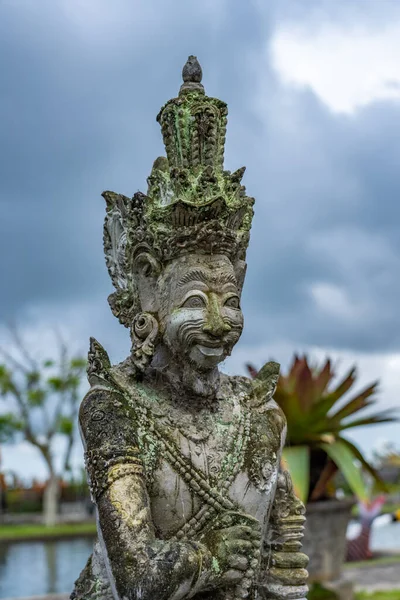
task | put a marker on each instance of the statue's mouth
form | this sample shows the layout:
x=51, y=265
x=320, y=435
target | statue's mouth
x=211, y=350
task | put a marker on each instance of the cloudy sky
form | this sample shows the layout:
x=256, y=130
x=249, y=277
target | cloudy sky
x=313, y=89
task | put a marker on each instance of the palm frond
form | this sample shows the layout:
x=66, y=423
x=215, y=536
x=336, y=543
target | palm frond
x=343, y=456
x=355, y=404
x=296, y=459
x=322, y=380
x=366, y=465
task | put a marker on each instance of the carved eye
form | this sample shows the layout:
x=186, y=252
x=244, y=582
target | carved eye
x=194, y=302
x=232, y=302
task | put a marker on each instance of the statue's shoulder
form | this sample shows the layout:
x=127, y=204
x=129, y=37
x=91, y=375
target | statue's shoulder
x=267, y=415
x=99, y=368
x=105, y=395
x=257, y=395
x=102, y=374
x=267, y=425
x=264, y=384
x=107, y=411
x=115, y=385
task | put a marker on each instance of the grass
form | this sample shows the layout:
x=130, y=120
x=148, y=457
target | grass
x=374, y=562
x=384, y=595
x=35, y=532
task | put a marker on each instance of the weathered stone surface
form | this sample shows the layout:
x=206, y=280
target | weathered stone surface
x=184, y=462
x=46, y=597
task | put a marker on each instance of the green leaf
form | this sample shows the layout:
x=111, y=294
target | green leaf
x=6, y=382
x=36, y=397
x=65, y=425
x=288, y=403
x=328, y=401
x=57, y=384
x=4, y=372
x=344, y=385
x=297, y=462
x=355, y=404
x=382, y=486
x=33, y=377
x=72, y=382
x=78, y=363
x=9, y=425
x=343, y=456
x=383, y=417
x=325, y=403
x=48, y=363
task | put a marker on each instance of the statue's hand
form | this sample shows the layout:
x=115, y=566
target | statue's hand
x=232, y=549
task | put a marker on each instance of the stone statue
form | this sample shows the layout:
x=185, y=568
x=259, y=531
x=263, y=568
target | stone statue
x=183, y=462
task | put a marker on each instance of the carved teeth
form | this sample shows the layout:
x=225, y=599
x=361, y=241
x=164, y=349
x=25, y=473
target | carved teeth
x=207, y=351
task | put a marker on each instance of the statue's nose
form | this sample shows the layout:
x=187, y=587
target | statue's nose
x=215, y=325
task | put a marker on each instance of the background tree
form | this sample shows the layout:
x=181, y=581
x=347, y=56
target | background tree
x=42, y=400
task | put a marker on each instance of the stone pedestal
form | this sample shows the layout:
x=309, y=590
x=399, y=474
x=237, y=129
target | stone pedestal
x=325, y=538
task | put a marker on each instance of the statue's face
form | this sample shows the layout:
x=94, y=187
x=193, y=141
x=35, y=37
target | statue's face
x=201, y=318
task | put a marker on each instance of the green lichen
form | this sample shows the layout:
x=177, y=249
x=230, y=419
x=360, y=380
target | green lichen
x=215, y=566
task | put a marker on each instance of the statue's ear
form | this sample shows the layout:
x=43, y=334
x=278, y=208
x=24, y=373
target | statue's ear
x=146, y=265
x=147, y=270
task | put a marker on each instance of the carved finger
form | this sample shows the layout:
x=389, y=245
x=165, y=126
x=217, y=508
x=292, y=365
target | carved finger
x=256, y=534
x=232, y=576
x=238, y=562
x=241, y=546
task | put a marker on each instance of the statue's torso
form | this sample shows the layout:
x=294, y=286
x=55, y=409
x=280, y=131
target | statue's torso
x=217, y=443
x=232, y=447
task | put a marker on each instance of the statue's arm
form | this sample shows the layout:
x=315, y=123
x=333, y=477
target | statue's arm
x=286, y=575
x=285, y=572
x=140, y=566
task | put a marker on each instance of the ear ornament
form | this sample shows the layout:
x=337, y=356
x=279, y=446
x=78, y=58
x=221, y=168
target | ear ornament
x=144, y=332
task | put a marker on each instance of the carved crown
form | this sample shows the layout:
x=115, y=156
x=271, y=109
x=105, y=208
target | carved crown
x=192, y=204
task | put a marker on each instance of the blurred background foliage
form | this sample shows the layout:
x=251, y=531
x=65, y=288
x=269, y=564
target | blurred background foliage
x=318, y=413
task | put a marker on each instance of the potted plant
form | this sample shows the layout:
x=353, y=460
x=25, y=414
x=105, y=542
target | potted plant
x=318, y=415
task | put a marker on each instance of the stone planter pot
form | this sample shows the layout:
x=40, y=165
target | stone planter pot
x=325, y=538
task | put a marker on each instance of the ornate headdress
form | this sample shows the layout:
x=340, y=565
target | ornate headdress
x=192, y=203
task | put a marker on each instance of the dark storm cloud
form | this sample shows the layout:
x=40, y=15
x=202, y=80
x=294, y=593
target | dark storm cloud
x=81, y=86
x=328, y=212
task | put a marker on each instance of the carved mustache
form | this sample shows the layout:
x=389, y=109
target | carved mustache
x=190, y=333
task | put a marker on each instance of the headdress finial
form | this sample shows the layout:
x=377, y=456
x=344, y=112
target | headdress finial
x=192, y=76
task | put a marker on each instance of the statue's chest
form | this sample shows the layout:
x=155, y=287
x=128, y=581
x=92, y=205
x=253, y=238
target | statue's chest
x=210, y=464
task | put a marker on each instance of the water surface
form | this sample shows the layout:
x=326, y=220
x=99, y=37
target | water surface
x=34, y=568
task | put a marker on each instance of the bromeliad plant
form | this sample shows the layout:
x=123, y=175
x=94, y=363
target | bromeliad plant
x=317, y=416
